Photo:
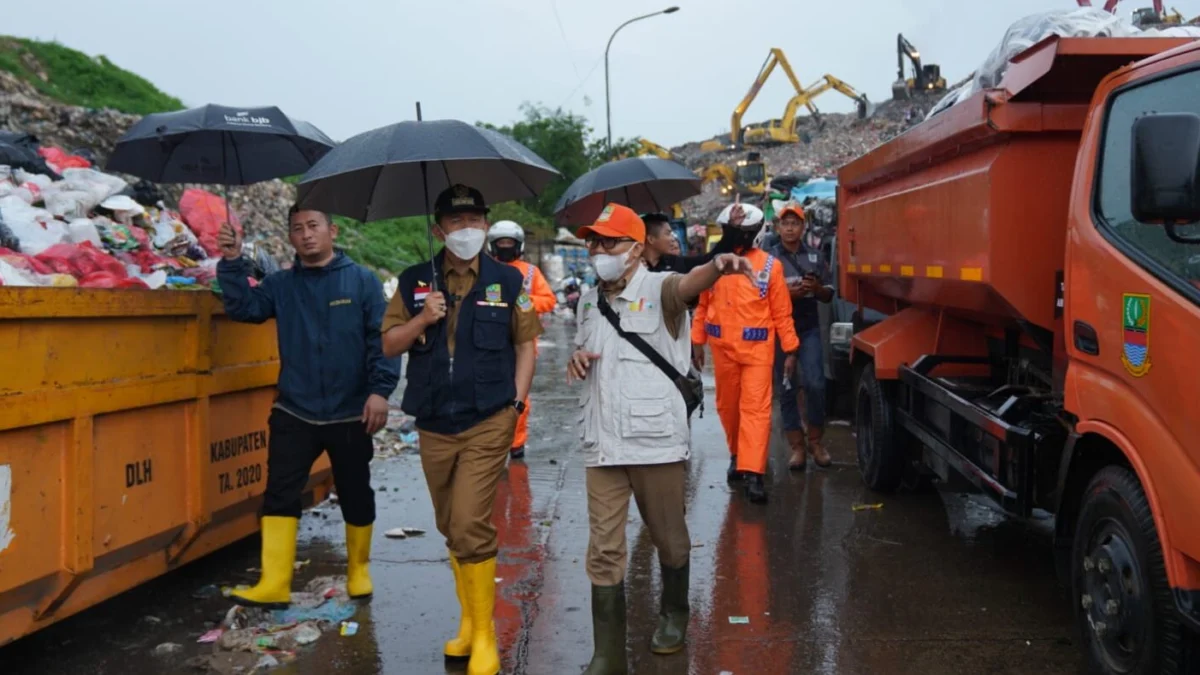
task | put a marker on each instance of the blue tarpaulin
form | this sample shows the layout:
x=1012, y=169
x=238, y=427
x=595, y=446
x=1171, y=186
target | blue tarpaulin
x=819, y=189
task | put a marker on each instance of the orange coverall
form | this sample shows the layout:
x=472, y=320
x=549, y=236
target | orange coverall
x=544, y=300
x=739, y=319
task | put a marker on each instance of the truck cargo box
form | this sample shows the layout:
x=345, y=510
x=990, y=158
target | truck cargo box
x=133, y=436
x=968, y=210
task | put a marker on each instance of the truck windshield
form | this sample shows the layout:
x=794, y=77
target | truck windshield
x=1177, y=93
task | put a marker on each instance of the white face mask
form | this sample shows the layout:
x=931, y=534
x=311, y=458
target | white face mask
x=611, y=267
x=466, y=243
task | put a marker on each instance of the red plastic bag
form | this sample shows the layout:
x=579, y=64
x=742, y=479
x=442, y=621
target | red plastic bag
x=58, y=159
x=204, y=212
x=110, y=280
x=81, y=260
x=24, y=262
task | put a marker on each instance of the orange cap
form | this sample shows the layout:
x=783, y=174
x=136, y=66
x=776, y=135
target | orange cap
x=792, y=207
x=616, y=221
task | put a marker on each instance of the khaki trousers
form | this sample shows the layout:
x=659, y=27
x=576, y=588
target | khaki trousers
x=659, y=490
x=462, y=471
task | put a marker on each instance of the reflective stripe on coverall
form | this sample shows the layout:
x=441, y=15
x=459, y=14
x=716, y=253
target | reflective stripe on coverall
x=544, y=300
x=739, y=319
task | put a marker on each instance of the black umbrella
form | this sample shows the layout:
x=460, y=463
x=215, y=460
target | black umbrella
x=399, y=170
x=216, y=144
x=644, y=184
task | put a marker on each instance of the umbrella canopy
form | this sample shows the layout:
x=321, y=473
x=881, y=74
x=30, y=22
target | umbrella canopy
x=644, y=184
x=218, y=145
x=399, y=170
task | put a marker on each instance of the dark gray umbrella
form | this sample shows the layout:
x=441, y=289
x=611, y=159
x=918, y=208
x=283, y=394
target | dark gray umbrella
x=220, y=145
x=399, y=170
x=644, y=184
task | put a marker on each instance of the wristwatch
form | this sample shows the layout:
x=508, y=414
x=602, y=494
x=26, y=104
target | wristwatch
x=520, y=406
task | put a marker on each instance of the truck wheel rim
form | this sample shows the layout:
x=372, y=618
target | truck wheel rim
x=1114, y=596
x=866, y=429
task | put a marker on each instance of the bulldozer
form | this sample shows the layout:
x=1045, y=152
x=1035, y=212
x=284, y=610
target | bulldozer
x=926, y=77
x=783, y=130
x=747, y=177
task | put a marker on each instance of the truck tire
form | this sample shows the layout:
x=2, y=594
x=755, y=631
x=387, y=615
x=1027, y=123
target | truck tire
x=881, y=459
x=1124, y=609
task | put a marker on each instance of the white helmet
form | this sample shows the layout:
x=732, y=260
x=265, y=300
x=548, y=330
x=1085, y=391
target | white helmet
x=506, y=229
x=753, y=216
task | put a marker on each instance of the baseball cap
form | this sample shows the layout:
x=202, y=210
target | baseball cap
x=616, y=221
x=460, y=198
x=792, y=207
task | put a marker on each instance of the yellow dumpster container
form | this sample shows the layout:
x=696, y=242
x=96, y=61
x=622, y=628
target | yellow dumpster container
x=133, y=439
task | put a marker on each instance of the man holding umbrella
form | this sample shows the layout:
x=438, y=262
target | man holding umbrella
x=471, y=358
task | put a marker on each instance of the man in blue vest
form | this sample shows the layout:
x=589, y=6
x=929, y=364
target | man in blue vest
x=470, y=333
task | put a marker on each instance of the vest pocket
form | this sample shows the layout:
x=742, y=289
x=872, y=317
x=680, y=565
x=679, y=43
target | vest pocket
x=491, y=328
x=646, y=419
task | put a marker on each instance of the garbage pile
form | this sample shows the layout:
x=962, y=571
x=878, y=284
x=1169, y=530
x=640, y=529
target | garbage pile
x=77, y=226
x=91, y=134
x=252, y=640
x=398, y=437
x=826, y=144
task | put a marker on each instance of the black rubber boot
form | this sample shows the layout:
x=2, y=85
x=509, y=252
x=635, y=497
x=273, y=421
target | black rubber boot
x=732, y=474
x=608, y=631
x=756, y=488
x=517, y=453
x=673, y=615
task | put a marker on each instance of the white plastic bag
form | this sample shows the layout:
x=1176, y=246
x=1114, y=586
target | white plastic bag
x=70, y=203
x=39, y=179
x=35, y=228
x=99, y=185
x=155, y=280
x=83, y=229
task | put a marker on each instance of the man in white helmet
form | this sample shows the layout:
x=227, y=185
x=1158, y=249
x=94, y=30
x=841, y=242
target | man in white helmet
x=506, y=243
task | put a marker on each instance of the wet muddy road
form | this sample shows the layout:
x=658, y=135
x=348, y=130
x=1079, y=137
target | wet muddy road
x=928, y=584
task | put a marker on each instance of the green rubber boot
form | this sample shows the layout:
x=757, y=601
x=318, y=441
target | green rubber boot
x=674, y=614
x=608, y=631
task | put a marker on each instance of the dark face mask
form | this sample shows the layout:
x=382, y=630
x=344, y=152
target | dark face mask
x=506, y=254
x=740, y=238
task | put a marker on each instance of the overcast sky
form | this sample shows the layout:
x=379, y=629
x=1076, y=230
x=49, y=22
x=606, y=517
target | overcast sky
x=353, y=65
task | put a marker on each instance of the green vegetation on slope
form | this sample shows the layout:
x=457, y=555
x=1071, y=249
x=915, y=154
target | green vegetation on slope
x=75, y=78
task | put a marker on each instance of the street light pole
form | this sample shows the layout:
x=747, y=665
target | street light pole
x=607, y=98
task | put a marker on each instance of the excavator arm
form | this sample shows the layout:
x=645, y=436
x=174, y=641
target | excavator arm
x=774, y=58
x=806, y=96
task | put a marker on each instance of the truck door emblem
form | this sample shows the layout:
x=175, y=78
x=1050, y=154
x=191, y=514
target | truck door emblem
x=1135, y=320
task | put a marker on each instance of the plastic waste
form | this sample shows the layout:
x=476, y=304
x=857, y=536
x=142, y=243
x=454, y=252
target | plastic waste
x=81, y=230
x=349, y=628
x=204, y=212
x=36, y=229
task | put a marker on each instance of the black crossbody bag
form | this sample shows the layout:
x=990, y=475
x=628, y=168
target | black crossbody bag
x=690, y=386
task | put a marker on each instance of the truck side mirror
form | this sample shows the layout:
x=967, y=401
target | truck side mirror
x=1165, y=176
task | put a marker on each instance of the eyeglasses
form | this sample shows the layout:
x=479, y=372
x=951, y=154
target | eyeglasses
x=606, y=243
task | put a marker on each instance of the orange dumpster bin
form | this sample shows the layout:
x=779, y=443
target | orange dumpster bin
x=133, y=439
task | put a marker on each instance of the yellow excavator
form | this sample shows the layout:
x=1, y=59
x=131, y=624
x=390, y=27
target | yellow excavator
x=774, y=58
x=747, y=177
x=783, y=130
x=926, y=77
x=647, y=147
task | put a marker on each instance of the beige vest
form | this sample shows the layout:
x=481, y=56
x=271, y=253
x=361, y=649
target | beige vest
x=631, y=412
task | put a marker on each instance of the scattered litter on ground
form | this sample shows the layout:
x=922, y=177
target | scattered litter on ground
x=403, y=532
x=167, y=648
x=206, y=592
x=739, y=619
x=838, y=423
x=152, y=619
x=866, y=507
x=349, y=628
x=211, y=636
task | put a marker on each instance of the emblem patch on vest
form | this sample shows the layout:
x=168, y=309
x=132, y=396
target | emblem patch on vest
x=493, y=293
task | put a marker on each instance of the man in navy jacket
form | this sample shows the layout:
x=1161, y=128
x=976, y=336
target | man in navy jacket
x=334, y=382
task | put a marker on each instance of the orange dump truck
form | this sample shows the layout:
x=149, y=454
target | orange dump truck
x=133, y=435
x=1030, y=248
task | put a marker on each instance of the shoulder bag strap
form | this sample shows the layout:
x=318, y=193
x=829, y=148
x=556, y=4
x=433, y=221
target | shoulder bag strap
x=635, y=340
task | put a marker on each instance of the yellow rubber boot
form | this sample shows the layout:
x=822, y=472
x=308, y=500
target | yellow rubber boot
x=274, y=588
x=459, y=649
x=358, y=555
x=481, y=603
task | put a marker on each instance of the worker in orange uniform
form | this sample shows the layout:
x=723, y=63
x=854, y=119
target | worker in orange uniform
x=740, y=319
x=506, y=243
